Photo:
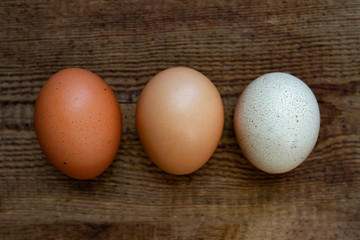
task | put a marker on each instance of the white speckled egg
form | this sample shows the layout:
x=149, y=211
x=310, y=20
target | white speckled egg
x=277, y=122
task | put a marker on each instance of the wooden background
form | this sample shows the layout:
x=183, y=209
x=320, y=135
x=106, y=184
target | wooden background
x=232, y=43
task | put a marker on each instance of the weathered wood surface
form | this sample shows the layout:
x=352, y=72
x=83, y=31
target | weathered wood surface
x=231, y=42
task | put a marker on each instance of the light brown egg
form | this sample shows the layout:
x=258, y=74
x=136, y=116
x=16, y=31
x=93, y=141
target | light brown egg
x=78, y=123
x=179, y=119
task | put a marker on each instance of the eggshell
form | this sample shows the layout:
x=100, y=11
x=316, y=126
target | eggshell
x=78, y=123
x=179, y=118
x=277, y=122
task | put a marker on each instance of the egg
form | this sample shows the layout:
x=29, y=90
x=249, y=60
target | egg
x=179, y=119
x=78, y=123
x=277, y=122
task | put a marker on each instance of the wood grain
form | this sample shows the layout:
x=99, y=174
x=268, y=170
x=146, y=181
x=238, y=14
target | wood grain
x=232, y=43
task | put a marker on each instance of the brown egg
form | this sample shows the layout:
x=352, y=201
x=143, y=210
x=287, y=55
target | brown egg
x=78, y=123
x=179, y=119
